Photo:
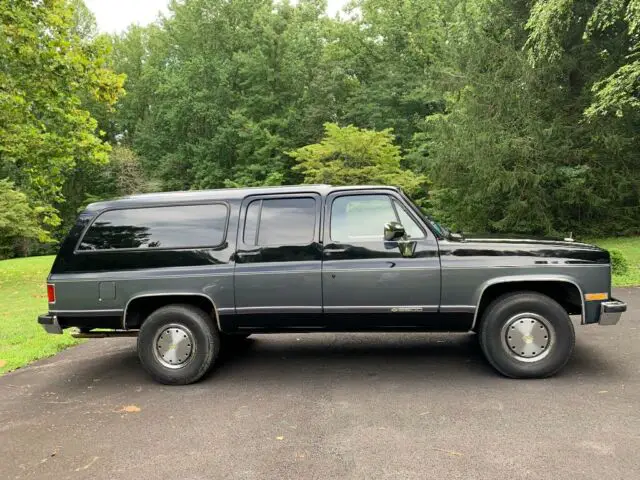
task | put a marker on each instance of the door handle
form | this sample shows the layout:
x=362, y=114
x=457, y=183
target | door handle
x=335, y=250
x=251, y=253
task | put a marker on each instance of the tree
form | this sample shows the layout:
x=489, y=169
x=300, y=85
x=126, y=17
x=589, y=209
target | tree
x=522, y=113
x=353, y=156
x=225, y=88
x=611, y=28
x=126, y=171
x=122, y=175
x=134, y=53
x=389, y=53
x=45, y=71
x=19, y=221
x=513, y=152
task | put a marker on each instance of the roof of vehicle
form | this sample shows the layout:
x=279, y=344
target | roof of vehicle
x=194, y=196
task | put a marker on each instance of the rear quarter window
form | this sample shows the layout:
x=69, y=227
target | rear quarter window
x=178, y=226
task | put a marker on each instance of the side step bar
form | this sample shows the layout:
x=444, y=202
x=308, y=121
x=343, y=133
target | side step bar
x=115, y=333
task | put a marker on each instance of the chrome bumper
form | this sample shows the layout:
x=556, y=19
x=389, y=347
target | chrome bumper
x=50, y=323
x=611, y=311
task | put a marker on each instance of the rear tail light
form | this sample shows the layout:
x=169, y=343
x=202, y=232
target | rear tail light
x=51, y=293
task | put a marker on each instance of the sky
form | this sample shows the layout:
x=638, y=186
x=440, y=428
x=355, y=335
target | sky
x=115, y=15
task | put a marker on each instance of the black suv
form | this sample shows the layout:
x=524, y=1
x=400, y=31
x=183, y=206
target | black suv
x=186, y=271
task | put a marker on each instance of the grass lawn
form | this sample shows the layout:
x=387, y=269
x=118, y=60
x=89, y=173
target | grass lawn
x=23, y=297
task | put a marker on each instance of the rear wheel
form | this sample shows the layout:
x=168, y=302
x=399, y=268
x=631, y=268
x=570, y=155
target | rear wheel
x=526, y=335
x=177, y=344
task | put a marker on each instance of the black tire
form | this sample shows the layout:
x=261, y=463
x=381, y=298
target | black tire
x=203, y=337
x=502, y=314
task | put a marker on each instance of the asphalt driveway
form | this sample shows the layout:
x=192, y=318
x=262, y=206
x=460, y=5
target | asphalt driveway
x=325, y=406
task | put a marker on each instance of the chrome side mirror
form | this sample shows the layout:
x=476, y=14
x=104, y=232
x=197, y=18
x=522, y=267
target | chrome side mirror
x=393, y=231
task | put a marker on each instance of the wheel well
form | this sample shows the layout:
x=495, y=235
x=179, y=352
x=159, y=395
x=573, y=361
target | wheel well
x=565, y=293
x=140, y=308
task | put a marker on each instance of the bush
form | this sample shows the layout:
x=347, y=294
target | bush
x=19, y=222
x=619, y=263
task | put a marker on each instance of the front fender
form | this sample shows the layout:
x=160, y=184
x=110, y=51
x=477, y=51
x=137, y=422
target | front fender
x=538, y=278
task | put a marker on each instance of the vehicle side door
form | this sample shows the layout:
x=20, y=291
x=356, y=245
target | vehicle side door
x=278, y=262
x=369, y=282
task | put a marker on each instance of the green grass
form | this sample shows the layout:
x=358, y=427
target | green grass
x=630, y=247
x=23, y=297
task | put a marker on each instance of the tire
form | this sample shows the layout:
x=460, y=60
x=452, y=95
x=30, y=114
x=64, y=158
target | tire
x=526, y=335
x=178, y=344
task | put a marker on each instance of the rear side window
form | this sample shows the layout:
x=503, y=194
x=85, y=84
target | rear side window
x=187, y=226
x=280, y=221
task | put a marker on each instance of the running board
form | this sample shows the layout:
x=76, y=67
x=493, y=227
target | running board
x=115, y=333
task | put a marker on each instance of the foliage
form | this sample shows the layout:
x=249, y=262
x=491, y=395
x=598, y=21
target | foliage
x=125, y=172
x=523, y=114
x=219, y=96
x=486, y=97
x=19, y=221
x=513, y=151
x=274, y=74
x=630, y=248
x=388, y=54
x=352, y=156
x=122, y=175
x=611, y=28
x=619, y=263
x=45, y=71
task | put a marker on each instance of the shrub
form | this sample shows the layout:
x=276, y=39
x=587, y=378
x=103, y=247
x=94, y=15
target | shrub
x=619, y=263
x=19, y=222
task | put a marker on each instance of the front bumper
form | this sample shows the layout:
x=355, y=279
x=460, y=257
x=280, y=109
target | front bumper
x=50, y=323
x=611, y=311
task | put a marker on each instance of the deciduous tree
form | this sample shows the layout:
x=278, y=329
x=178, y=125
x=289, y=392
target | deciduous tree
x=46, y=69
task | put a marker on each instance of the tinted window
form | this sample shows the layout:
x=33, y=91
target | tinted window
x=251, y=222
x=283, y=221
x=158, y=227
x=362, y=217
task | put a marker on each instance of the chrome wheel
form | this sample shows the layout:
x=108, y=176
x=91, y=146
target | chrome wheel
x=174, y=346
x=528, y=337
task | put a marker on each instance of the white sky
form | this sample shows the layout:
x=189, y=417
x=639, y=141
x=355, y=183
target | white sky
x=116, y=15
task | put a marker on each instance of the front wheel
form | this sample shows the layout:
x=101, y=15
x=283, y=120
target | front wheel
x=177, y=344
x=526, y=335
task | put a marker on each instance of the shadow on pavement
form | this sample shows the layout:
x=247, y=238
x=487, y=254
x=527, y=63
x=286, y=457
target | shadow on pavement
x=295, y=358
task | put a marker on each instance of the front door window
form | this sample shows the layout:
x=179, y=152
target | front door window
x=357, y=218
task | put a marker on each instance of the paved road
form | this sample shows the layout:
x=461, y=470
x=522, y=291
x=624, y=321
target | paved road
x=324, y=406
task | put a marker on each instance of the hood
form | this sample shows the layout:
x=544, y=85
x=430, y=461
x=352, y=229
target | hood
x=489, y=245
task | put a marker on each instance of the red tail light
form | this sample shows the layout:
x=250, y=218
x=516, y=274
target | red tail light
x=51, y=293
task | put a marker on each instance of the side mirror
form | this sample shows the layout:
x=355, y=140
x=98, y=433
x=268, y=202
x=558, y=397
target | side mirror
x=393, y=231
